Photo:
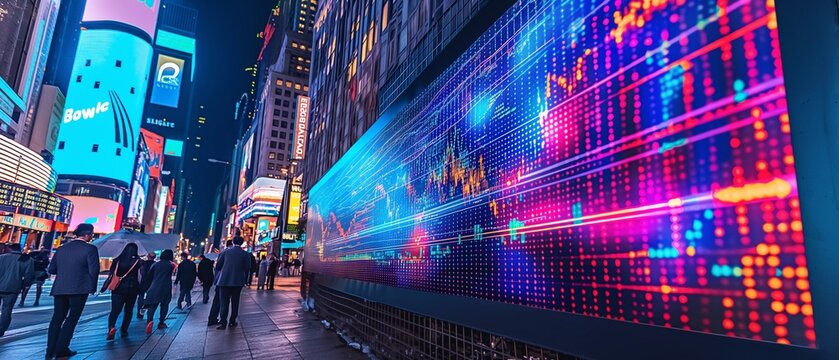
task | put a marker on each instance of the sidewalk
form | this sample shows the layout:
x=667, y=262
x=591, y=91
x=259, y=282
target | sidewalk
x=271, y=326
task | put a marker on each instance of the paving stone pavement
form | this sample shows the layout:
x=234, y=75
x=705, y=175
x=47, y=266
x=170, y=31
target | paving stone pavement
x=271, y=326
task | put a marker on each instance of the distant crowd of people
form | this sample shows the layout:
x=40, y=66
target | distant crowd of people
x=145, y=283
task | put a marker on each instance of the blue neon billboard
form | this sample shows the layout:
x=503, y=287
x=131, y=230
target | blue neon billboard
x=105, y=98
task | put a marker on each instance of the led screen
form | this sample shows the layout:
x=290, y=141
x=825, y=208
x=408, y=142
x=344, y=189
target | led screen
x=174, y=148
x=105, y=215
x=141, y=14
x=166, y=88
x=139, y=188
x=622, y=160
x=155, y=144
x=101, y=123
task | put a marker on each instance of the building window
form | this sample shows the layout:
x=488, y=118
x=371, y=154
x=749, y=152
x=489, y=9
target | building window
x=119, y=63
x=95, y=84
x=298, y=86
x=282, y=146
x=283, y=135
x=288, y=93
x=119, y=151
x=276, y=112
x=79, y=79
x=285, y=114
x=288, y=84
x=95, y=148
x=274, y=133
x=271, y=166
x=60, y=145
x=273, y=144
x=281, y=157
x=87, y=62
x=278, y=102
x=286, y=103
x=276, y=122
x=278, y=91
x=272, y=155
x=284, y=124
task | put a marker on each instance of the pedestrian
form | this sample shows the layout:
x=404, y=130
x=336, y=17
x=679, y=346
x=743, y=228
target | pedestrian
x=124, y=283
x=76, y=269
x=141, y=295
x=205, y=275
x=159, y=293
x=16, y=273
x=254, y=269
x=234, y=266
x=286, y=266
x=214, y=309
x=273, y=267
x=186, y=278
x=296, y=266
x=41, y=260
x=263, y=271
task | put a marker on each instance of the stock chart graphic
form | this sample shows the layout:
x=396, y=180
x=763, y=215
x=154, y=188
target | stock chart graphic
x=621, y=159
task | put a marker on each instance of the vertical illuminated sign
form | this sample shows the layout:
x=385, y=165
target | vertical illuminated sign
x=294, y=205
x=161, y=209
x=301, y=127
x=155, y=144
x=166, y=89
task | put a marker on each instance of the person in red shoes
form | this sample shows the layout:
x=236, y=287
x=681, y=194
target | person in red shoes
x=125, y=268
x=159, y=293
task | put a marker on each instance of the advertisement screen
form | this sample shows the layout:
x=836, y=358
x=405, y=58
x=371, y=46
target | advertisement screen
x=104, y=106
x=105, y=215
x=14, y=30
x=141, y=14
x=139, y=188
x=301, y=127
x=166, y=88
x=174, y=148
x=604, y=159
x=155, y=144
x=161, y=209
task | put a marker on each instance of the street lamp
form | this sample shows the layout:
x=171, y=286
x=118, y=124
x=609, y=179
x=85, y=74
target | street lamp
x=217, y=161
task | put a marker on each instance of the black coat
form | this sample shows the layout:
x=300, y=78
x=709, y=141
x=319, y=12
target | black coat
x=273, y=265
x=186, y=274
x=130, y=283
x=159, y=283
x=205, y=271
x=144, y=272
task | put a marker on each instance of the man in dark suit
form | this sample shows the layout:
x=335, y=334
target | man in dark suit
x=206, y=275
x=76, y=269
x=186, y=277
x=213, y=320
x=233, y=267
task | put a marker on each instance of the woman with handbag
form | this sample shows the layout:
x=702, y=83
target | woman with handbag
x=124, y=283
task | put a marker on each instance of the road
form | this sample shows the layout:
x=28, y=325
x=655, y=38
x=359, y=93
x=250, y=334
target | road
x=30, y=317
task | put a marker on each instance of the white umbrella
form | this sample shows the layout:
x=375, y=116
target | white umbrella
x=111, y=245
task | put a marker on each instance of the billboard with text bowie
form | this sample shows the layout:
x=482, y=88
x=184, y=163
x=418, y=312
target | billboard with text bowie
x=101, y=123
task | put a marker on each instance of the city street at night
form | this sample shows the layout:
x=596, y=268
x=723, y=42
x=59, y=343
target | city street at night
x=419, y=179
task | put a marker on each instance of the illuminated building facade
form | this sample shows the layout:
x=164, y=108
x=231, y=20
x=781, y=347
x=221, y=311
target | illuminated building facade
x=99, y=140
x=588, y=173
x=169, y=104
x=26, y=32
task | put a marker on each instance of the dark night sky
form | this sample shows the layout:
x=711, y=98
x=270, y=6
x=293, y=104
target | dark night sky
x=227, y=43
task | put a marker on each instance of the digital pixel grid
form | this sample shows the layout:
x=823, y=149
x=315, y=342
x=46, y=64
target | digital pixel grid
x=621, y=159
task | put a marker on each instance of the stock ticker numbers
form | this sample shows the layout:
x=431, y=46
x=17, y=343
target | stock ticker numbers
x=628, y=160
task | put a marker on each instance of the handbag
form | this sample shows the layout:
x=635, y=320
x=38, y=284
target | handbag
x=115, y=280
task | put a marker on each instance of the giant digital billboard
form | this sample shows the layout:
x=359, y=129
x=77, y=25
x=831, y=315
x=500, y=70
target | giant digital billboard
x=141, y=14
x=105, y=215
x=621, y=160
x=166, y=88
x=101, y=124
